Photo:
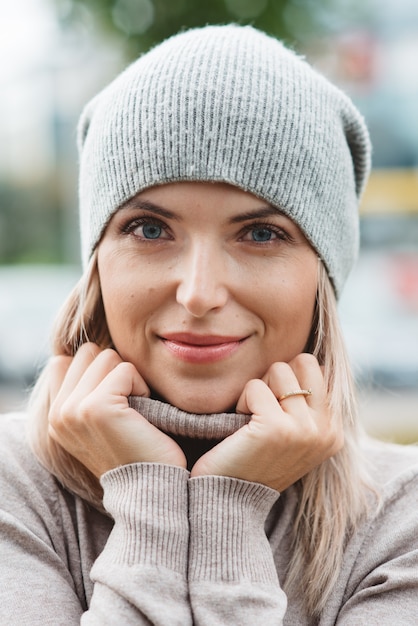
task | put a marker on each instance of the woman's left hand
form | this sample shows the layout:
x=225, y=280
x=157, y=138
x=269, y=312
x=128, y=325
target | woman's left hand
x=285, y=439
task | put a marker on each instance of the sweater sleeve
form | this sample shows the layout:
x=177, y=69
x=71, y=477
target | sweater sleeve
x=141, y=575
x=232, y=575
x=382, y=588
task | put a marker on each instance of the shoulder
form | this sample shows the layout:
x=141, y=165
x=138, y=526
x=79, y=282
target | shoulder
x=14, y=446
x=32, y=499
x=393, y=467
x=27, y=488
x=382, y=554
x=391, y=528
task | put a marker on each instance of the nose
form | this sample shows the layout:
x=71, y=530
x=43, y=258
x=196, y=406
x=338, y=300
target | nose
x=202, y=285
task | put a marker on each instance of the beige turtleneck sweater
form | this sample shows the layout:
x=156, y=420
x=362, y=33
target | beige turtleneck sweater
x=176, y=550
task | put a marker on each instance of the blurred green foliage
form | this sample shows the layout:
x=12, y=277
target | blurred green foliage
x=30, y=225
x=140, y=24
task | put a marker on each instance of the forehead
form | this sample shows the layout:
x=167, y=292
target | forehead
x=180, y=199
x=199, y=192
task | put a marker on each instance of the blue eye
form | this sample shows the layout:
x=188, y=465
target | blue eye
x=146, y=228
x=261, y=234
x=151, y=231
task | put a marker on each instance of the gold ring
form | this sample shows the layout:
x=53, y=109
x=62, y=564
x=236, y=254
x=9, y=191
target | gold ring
x=297, y=392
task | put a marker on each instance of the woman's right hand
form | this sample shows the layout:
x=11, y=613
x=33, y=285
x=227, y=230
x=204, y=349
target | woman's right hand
x=90, y=416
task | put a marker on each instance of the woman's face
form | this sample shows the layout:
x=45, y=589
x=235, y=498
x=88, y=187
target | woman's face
x=204, y=287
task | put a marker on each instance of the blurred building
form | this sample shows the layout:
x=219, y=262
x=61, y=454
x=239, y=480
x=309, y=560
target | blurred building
x=47, y=73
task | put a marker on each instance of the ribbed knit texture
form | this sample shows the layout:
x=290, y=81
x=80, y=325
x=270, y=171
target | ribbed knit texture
x=176, y=422
x=228, y=104
x=228, y=541
x=151, y=530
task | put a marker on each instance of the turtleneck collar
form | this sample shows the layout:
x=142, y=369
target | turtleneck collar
x=173, y=421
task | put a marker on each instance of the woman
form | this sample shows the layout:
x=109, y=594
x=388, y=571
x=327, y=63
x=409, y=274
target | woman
x=199, y=460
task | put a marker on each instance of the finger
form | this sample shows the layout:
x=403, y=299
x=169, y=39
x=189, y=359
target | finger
x=88, y=368
x=122, y=381
x=282, y=380
x=101, y=376
x=84, y=356
x=258, y=399
x=309, y=374
x=58, y=367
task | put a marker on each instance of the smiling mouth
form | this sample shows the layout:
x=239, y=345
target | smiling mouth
x=202, y=348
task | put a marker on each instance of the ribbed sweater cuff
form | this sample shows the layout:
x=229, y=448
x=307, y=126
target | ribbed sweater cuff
x=227, y=537
x=149, y=505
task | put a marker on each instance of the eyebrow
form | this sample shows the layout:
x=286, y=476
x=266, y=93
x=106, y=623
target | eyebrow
x=147, y=205
x=266, y=211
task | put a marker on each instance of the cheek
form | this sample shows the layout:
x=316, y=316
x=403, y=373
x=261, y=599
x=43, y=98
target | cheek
x=302, y=300
x=116, y=307
x=118, y=294
x=129, y=303
x=289, y=312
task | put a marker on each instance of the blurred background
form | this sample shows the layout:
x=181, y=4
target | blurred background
x=56, y=54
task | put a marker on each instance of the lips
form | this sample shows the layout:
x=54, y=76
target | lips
x=195, y=348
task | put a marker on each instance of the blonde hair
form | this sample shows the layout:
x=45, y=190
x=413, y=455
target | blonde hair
x=332, y=498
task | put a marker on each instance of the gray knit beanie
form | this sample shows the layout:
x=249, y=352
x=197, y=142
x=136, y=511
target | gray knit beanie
x=229, y=104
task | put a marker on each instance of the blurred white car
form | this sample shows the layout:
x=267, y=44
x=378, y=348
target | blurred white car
x=30, y=297
x=379, y=314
